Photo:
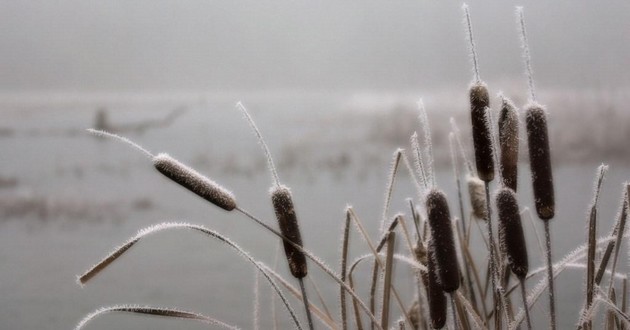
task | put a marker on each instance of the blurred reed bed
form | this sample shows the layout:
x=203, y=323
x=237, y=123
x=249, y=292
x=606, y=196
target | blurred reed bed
x=451, y=288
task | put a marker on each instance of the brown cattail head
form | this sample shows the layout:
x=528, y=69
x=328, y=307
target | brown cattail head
x=508, y=142
x=435, y=293
x=477, y=195
x=442, y=241
x=195, y=182
x=287, y=220
x=482, y=138
x=540, y=160
x=511, y=232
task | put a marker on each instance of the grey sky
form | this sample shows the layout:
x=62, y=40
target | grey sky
x=225, y=45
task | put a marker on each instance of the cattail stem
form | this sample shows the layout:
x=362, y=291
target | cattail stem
x=391, y=241
x=552, y=304
x=252, y=124
x=428, y=144
x=305, y=301
x=494, y=271
x=344, y=267
x=525, y=307
x=471, y=39
x=526, y=55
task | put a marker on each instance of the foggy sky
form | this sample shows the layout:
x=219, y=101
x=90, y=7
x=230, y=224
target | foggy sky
x=325, y=45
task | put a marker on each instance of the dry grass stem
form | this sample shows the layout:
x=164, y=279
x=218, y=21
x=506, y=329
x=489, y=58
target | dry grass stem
x=153, y=311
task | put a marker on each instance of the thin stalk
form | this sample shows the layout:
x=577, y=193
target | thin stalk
x=552, y=302
x=524, y=295
x=493, y=264
x=344, y=265
x=391, y=241
x=305, y=301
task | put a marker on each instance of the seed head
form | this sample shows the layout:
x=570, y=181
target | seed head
x=287, y=220
x=437, y=299
x=508, y=142
x=442, y=240
x=540, y=161
x=477, y=195
x=511, y=232
x=482, y=138
x=195, y=182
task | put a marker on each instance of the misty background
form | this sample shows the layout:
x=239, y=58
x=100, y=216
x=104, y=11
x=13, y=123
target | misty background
x=140, y=46
x=333, y=87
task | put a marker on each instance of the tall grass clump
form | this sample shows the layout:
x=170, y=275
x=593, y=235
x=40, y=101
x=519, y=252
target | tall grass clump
x=433, y=248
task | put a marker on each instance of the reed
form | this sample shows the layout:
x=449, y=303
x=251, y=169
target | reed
x=508, y=143
x=540, y=161
x=442, y=241
x=513, y=239
x=435, y=293
x=482, y=138
x=195, y=182
x=287, y=220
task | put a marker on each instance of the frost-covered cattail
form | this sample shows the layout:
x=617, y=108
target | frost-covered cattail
x=540, y=161
x=436, y=297
x=182, y=174
x=508, y=142
x=482, y=138
x=287, y=221
x=477, y=195
x=511, y=232
x=442, y=241
x=194, y=181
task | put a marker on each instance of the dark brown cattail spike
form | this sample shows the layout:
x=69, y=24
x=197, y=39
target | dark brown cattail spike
x=540, y=161
x=287, y=220
x=435, y=293
x=442, y=240
x=195, y=182
x=482, y=138
x=508, y=142
x=513, y=239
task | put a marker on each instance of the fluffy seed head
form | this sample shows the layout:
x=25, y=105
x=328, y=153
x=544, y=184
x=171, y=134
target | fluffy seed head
x=437, y=299
x=482, y=138
x=540, y=161
x=508, y=142
x=511, y=232
x=442, y=240
x=477, y=195
x=195, y=182
x=287, y=221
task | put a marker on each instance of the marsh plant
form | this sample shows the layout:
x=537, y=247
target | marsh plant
x=451, y=288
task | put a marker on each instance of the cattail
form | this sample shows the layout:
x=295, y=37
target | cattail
x=437, y=299
x=442, y=240
x=194, y=181
x=511, y=231
x=508, y=142
x=477, y=195
x=540, y=161
x=285, y=213
x=482, y=138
